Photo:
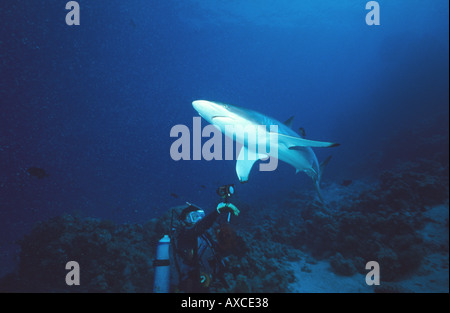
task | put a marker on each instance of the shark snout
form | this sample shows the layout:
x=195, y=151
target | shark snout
x=202, y=105
x=208, y=110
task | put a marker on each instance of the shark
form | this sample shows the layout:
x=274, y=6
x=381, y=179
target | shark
x=288, y=146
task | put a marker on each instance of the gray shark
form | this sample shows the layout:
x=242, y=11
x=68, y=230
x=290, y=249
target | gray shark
x=287, y=146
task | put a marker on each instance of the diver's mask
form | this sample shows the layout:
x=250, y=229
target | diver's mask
x=195, y=216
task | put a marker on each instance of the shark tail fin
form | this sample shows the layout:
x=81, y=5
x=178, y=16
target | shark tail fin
x=322, y=166
x=319, y=176
x=319, y=194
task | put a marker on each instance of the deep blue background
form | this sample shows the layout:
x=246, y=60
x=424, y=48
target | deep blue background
x=94, y=104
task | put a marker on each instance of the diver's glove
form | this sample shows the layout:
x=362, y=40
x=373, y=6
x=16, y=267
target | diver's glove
x=227, y=207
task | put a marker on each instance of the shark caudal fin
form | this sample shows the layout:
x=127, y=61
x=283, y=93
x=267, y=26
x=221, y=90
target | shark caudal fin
x=323, y=165
x=319, y=177
x=319, y=193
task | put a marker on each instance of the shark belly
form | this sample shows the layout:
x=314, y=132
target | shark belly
x=302, y=160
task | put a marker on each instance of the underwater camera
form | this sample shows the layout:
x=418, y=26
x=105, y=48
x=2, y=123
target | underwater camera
x=225, y=191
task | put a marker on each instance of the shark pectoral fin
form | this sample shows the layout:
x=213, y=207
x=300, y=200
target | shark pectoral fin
x=294, y=142
x=245, y=162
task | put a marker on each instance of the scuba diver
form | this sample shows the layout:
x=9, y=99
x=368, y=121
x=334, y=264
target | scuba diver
x=195, y=254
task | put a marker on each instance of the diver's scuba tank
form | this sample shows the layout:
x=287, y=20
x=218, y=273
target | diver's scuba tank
x=161, y=283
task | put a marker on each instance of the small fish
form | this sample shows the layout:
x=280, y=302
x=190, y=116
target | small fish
x=174, y=195
x=346, y=182
x=203, y=186
x=38, y=172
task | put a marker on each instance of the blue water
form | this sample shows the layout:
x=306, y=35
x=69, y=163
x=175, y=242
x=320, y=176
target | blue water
x=93, y=104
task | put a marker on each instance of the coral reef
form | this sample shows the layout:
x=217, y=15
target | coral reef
x=113, y=258
x=262, y=269
x=342, y=266
x=118, y=258
x=382, y=223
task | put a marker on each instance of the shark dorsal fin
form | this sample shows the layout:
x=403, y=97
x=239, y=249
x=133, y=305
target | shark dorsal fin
x=288, y=122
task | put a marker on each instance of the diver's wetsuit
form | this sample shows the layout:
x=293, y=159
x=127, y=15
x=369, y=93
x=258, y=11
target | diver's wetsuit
x=187, y=248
